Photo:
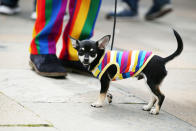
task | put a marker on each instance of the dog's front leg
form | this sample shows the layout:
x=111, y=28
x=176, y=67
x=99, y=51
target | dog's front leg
x=105, y=81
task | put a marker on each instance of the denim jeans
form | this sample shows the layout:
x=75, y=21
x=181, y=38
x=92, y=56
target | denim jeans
x=14, y=3
x=133, y=4
x=34, y=7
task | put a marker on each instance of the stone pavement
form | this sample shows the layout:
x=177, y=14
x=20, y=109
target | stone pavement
x=30, y=102
x=10, y=110
x=66, y=104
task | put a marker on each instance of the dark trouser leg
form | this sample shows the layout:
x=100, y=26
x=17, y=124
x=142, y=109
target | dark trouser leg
x=158, y=9
x=159, y=3
x=10, y=3
x=133, y=4
x=34, y=5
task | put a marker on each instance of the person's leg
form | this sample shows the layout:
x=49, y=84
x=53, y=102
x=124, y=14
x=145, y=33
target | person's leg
x=46, y=32
x=34, y=15
x=158, y=9
x=9, y=7
x=160, y=3
x=34, y=5
x=133, y=4
x=83, y=15
x=10, y=3
x=130, y=12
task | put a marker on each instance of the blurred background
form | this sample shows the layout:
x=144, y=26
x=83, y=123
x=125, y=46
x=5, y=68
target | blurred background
x=180, y=85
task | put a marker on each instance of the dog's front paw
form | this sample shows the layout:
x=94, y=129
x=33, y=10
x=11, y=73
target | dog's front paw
x=97, y=105
x=146, y=108
x=154, y=111
x=109, y=96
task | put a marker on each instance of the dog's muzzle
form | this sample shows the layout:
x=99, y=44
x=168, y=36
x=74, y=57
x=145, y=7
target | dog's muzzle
x=86, y=61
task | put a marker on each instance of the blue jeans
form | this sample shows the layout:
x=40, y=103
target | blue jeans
x=35, y=3
x=14, y=3
x=133, y=4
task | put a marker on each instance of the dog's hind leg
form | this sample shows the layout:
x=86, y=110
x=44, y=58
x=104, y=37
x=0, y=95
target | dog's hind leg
x=152, y=100
x=158, y=95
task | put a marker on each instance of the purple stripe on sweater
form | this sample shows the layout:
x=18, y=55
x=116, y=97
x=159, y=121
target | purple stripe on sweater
x=131, y=73
x=124, y=61
x=104, y=62
x=146, y=57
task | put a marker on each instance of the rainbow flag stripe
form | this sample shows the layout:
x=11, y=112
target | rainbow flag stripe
x=128, y=63
x=48, y=25
x=80, y=26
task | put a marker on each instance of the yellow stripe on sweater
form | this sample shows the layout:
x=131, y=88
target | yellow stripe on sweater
x=114, y=58
x=144, y=65
x=136, y=60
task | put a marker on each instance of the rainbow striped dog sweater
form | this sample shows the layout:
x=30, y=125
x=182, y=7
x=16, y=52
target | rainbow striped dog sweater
x=128, y=63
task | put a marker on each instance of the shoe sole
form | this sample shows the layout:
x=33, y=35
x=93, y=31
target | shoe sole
x=122, y=17
x=53, y=74
x=160, y=14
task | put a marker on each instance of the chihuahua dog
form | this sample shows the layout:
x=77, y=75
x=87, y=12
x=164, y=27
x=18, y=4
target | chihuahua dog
x=113, y=65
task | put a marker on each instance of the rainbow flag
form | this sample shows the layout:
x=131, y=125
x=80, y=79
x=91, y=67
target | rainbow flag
x=80, y=26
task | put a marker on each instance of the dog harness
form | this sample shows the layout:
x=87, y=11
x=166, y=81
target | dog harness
x=128, y=63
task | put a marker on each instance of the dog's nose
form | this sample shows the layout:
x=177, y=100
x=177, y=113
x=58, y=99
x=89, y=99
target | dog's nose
x=86, y=60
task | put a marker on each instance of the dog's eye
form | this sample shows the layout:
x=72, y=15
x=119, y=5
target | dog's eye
x=92, y=54
x=81, y=52
x=92, y=51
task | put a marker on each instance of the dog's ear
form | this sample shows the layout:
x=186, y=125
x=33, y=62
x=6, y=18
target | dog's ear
x=103, y=42
x=75, y=43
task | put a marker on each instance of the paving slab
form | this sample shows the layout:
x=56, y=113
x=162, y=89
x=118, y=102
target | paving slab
x=27, y=86
x=14, y=114
x=178, y=88
x=28, y=129
x=113, y=117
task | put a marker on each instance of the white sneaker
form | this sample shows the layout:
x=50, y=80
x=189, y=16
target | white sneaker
x=34, y=16
x=8, y=10
x=122, y=6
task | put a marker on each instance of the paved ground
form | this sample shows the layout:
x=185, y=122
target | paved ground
x=61, y=104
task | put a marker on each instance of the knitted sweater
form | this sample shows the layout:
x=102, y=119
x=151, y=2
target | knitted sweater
x=128, y=63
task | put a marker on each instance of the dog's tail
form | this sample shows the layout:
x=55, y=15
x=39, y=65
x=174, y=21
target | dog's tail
x=179, y=48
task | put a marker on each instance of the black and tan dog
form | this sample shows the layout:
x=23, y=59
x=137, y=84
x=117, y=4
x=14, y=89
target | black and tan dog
x=92, y=55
